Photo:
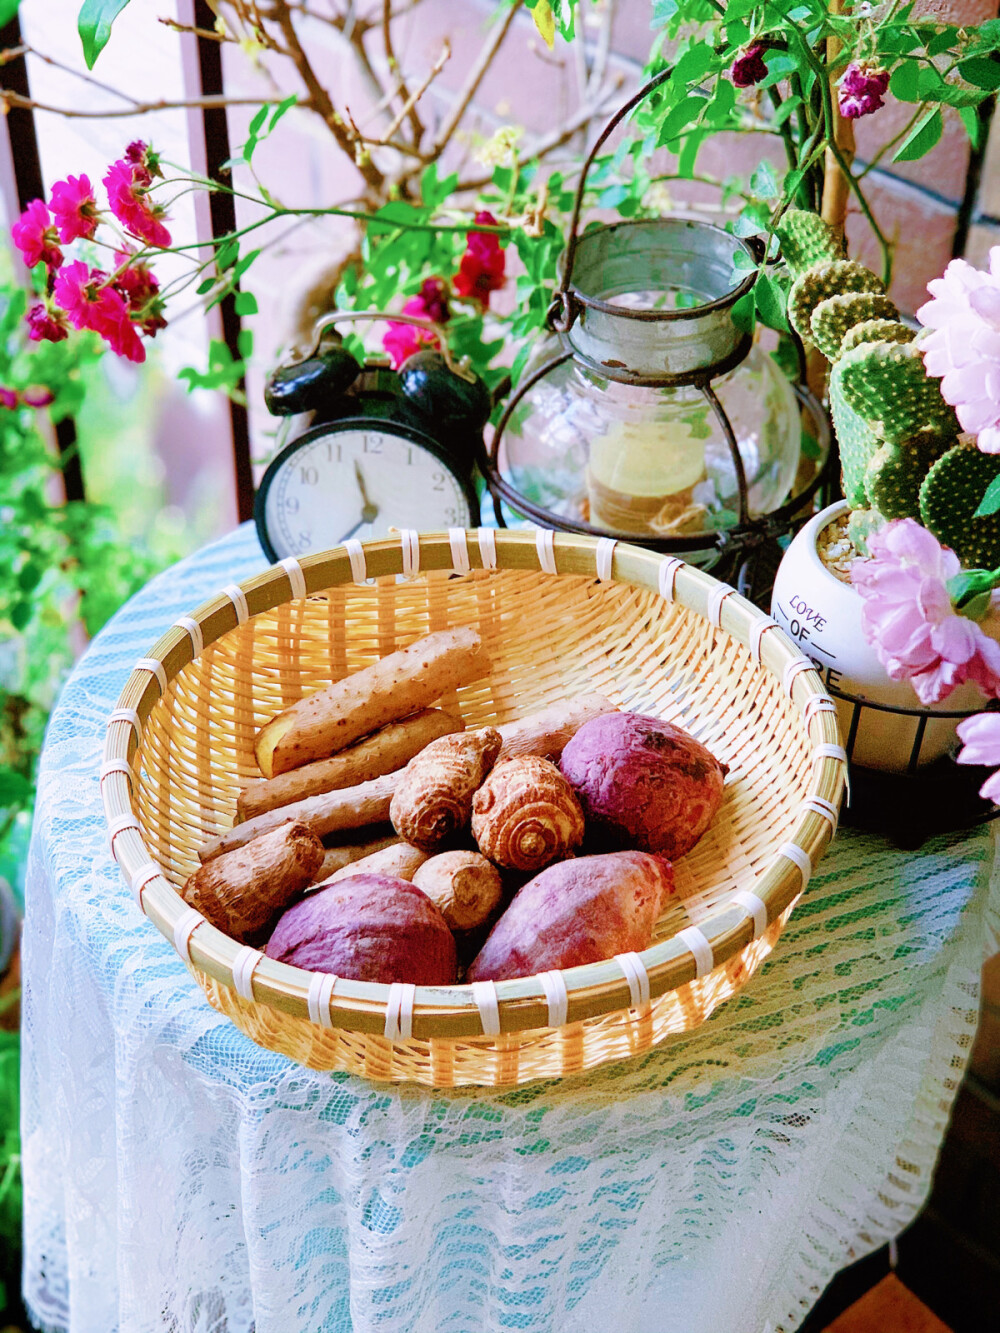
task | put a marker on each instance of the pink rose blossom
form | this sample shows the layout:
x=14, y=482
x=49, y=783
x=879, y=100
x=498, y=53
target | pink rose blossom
x=748, y=68
x=36, y=395
x=964, y=345
x=980, y=737
x=127, y=186
x=909, y=619
x=146, y=162
x=431, y=302
x=140, y=288
x=9, y=398
x=46, y=325
x=35, y=236
x=74, y=208
x=482, y=267
x=862, y=89
x=90, y=303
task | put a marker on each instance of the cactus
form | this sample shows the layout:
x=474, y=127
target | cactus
x=896, y=472
x=806, y=240
x=838, y=315
x=860, y=526
x=876, y=331
x=823, y=280
x=886, y=384
x=950, y=496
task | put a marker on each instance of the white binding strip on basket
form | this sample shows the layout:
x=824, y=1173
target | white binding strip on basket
x=318, y=999
x=485, y=995
x=194, y=631
x=243, y=969
x=821, y=806
x=126, y=715
x=668, y=576
x=636, y=976
x=827, y=750
x=459, y=544
x=147, y=871
x=116, y=766
x=356, y=555
x=409, y=540
x=695, y=939
x=488, y=547
x=817, y=703
x=757, y=632
x=755, y=907
x=605, y=557
x=184, y=927
x=795, y=668
x=156, y=668
x=238, y=598
x=800, y=857
x=296, y=578
x=544, y=545
x=399, y=1011
x=714, y=608
x=118, y=825
x=554, y=986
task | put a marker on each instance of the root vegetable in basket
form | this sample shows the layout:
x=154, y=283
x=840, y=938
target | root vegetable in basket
x=385, y=752
x=401, y=861
x=464, y=885
x=368, y=928
x=643, y=783
x=433, y=799
x=526, y=814
x=547, y=733
x=577, y=912
x=353, y=853
x=394, y=687
x=244, y=891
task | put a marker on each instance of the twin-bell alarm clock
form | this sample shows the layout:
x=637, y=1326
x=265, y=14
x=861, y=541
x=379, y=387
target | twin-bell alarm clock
x=384, y=448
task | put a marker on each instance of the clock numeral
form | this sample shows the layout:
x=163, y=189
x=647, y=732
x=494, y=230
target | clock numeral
x=292, y=504
x=329, y=451
x=308, y=476
x=451, y=514
x=372, y=446
x=305, y=540
x=409, y=456
x=438, y=479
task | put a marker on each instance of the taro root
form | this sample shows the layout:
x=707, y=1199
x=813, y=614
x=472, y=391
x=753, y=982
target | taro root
x=368, y=928
x=464, y=885
x=433, y=798
x=578, y=911
x=643, y=783
x=525, y=814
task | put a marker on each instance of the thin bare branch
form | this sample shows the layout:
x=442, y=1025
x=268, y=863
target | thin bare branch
x=26, y=49
x=415, y=97
x=11, y=99
x=473, y=79
x=411, y=113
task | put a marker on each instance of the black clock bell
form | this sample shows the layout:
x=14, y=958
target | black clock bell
x=384, y=448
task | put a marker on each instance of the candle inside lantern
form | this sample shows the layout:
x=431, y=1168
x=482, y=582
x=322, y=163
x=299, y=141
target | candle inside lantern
x=641, y=476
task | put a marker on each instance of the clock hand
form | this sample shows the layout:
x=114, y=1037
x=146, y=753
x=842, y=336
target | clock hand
x=369, y=513
x=347, y=535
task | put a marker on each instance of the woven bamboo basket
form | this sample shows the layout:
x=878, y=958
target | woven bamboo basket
x=561, y=616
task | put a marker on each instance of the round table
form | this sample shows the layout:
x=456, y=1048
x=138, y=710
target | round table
x=179, y=1179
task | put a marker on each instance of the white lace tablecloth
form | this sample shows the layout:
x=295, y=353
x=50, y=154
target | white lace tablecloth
x=179, y=1179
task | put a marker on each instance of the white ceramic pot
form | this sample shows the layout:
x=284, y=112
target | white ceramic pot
x=823, y=616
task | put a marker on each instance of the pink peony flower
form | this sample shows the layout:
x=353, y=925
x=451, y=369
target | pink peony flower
x=127, y=185
x=431, y=302
x=980, y=737
x=482, y=267
x=909, y=619
x=46, y=325
x=35, y=236
x=964, y=345
x=74, y=208
x=748, y=68
x=862, y=89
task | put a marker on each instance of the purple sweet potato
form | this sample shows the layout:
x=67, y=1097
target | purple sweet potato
x=643, y=783
x=576, y=912
x=368, y=928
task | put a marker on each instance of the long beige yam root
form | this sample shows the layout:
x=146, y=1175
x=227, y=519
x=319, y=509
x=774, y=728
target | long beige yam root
x=391, y=748
x=547, y=733
x=339, y=858
x=244, y=892
x=332, y=812
x=402, y=861
x=333, y=718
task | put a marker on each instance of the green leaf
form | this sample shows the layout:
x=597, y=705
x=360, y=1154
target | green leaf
x=280, y=110
x=737, y=9
x=974, y=127
x=922, y=138
x=743, y=313
x=8, y=8
x=14, y=788
x=905, y=81
x=771, y=302
x=257, y=123
x=763, y=182
x=245, y=303
x=682, y=114
x=94, y=26
x=981, y=73
x=694, y=64
x=990, y=503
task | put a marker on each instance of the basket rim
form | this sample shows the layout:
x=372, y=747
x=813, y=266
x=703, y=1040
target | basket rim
x=404, y=1012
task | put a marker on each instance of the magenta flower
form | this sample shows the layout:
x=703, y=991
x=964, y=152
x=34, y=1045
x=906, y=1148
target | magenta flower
x=980, y=737
x=9, y=398
x=748, y=68
x=964, y=347
x=37, y=395
x=909, y=619
x=144, y=160
x=35, y=236
x=482, y=267
x=90, y=303
x=46, y=325
x=140, y=288
x=74, y=208
x=127, y=185
x=862, y=89
x=431, y=302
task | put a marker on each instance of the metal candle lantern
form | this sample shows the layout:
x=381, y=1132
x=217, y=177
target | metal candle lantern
x=651, y=416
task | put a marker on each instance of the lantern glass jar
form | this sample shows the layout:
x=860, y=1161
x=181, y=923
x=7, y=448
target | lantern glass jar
x=622, y=432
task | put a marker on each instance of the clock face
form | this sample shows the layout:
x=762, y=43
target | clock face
x=355, y=479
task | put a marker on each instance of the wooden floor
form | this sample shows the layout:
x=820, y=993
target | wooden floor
x=888, y=1308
